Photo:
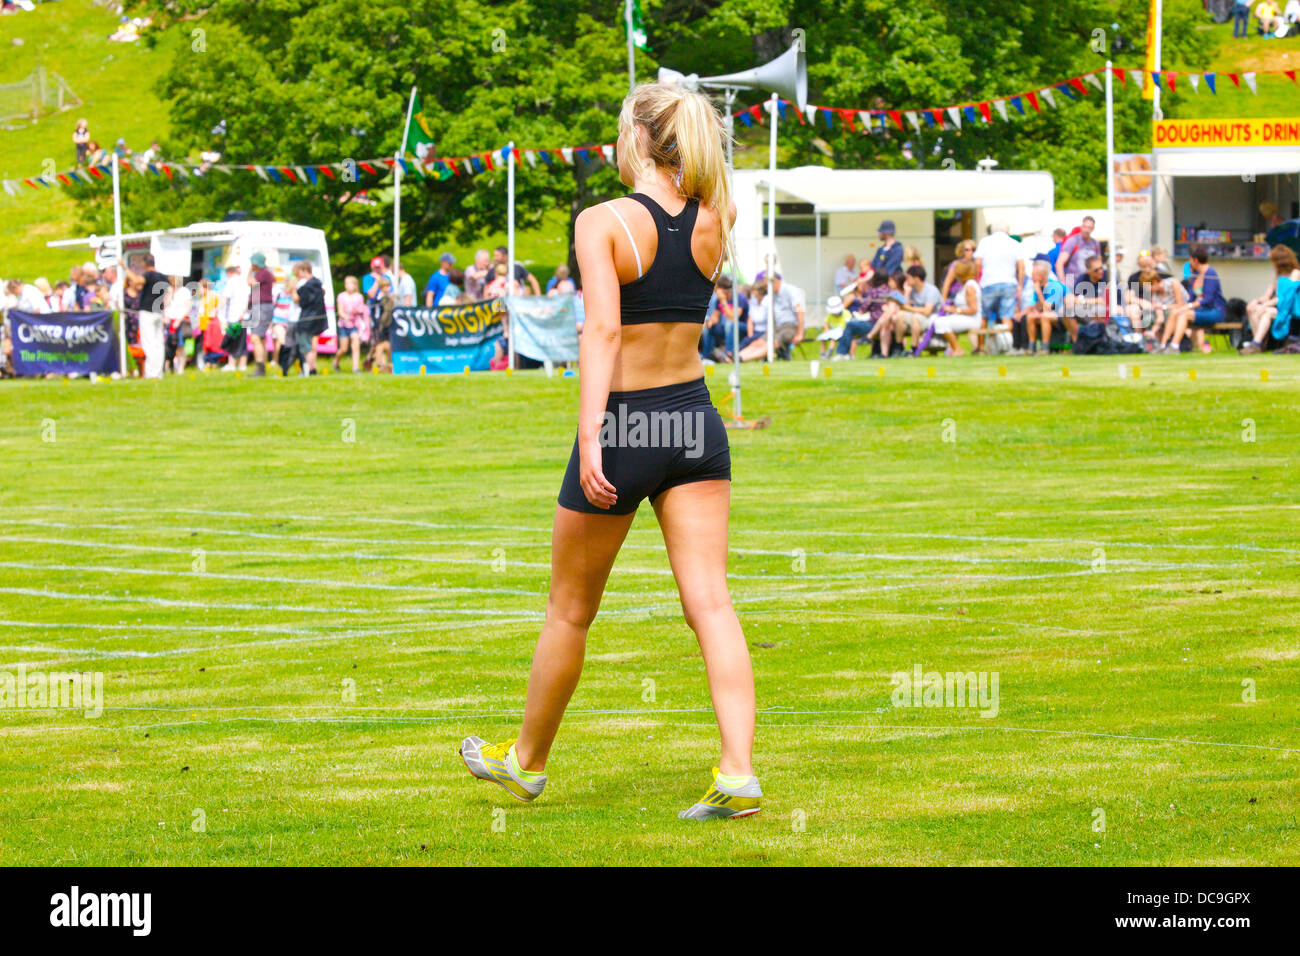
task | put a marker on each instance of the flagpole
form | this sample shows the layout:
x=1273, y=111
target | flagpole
x=631, y=48
x=771, y=228
x=1112, y=292
x=729, y=95
x=510, y=242
x=397, y=195
x=121, y=264
x=1155, y=100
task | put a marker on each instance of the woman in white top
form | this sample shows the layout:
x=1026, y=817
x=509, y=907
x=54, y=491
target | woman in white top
x=964, y=313
x=176, y=312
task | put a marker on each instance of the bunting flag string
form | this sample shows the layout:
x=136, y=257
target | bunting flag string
x=1071, y=89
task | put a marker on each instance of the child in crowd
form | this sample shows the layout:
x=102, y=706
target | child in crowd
x=836, y=316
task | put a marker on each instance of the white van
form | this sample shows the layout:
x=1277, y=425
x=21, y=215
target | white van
x=204, y=249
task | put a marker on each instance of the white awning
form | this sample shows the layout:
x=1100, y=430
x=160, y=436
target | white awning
x=884, y=190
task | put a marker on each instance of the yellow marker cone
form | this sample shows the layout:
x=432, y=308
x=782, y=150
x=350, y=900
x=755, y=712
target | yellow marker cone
x=1065, y=372
x=1137, y=371
x=767, y=369
x=1191, y=374
x=1263, y=375
x=929, y=371
x=421, y=369
x=510, y=371
x=466, y=371
x=1002, y=371
x=708, y=371
x=826, y=370
x=880, y=372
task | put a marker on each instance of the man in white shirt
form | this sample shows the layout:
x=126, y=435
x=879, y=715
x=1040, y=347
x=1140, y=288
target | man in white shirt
x=232, y=304
x=847, y=273
x=1000, y=262
x=405, y=287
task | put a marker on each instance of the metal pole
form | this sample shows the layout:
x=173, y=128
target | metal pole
x=1112, y=292
x=397, y=196
x=631, y=47
x=121, y=264
x=1155, y=100
x=771, y=229
x=729, y=96
x=817, y=231
x=510, y=241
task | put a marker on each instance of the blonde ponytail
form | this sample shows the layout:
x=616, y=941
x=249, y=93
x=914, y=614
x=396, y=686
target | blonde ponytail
x=686, y=137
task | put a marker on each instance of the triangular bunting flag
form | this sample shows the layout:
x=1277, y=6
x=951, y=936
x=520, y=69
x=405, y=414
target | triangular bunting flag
x=955, y=115
x=928, y=116
x=326, y=171
x=986, y=112
x=1120, y=75
x=1196, y=81
x=166, y=168
x=1172, y=75
x=969, y=113
x=1235, y=80
x=1250, y=81
x=309, y=173
x=1001, y=106
x=1209, y=81
x=273, y=173
x=846, y=117
x=1092, y=78
x=1078, y=85
x=1033, y=101
x=289, y=174
x=829, y=116
x=608, y=151
x=745, y=119
x=1046, y=94
x=897, y=117
x=1155, y=77
x=756, y=111
x=368, y=168
x=260, y=172
x=566, y=153
x=911, y=118
x=1139, y=80
x=1019, y=104
x=1290, y=75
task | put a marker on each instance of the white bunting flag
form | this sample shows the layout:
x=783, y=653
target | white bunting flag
x=914, y=120
x=261, y=172
x=1138, y=78
x=1046, y=94
x=811, y=112
x=608, y=152
x=567, y=154
x=1001, y=107
x=1196, y=81
x=1092, y=78
x=1250, y=81
x=531, y=156
x=954, y=114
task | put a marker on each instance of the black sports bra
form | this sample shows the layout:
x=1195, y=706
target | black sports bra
x=673, y=289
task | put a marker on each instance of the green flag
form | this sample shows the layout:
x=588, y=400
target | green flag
x=417, y=137
x=637, y=28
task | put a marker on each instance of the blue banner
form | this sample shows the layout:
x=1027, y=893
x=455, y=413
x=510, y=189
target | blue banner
x=63, y=343
x=446, y=338
x=545, y=327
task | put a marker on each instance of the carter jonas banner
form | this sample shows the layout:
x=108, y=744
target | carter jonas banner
x=63, y=343
x=1184, y=133
x=447, y=338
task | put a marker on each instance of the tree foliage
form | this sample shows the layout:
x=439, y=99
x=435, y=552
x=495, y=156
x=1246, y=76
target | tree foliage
x=296, y=82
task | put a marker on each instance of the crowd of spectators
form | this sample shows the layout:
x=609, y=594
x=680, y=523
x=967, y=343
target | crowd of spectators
x=1272, y=19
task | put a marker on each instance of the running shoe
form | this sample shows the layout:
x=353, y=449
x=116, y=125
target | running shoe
x=721, y=800
x=493, y=762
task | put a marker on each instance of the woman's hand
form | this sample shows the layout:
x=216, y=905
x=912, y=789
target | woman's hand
x=591, y=476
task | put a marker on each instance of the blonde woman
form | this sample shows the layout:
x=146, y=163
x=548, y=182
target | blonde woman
x=964, y=314
x=353, y=322
x=648, y=263
x=965, y=253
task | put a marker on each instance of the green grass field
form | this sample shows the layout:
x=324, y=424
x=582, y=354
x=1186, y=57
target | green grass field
x=295, y=630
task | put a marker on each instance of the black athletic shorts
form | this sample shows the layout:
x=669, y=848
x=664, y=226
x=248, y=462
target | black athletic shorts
x=654, y=439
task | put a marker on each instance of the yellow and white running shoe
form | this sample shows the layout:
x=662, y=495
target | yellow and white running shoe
x=497, y=763
x=728, y=797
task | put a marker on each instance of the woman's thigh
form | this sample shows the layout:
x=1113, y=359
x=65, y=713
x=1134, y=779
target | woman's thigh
x=694, y=519
x=583, y=549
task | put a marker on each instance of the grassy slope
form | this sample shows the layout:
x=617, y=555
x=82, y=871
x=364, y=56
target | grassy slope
x=973, y=555
x=115, y=81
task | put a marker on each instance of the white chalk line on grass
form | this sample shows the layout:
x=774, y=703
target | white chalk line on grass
x=402, y=522
x=652, y=715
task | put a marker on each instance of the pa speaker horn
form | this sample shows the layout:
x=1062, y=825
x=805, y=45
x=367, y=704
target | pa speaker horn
x=786, y=76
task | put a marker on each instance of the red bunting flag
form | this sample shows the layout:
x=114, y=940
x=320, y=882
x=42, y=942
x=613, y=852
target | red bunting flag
x=938, y=117
x=167, y=169
x=1290, y=75
x=846, y=117
x=1079, y=85
x=756, y=111
x=1119, y=72
x=1170, y=74
x=368, y=168
x=1033, y=101
x=487, y=158
x=986, y=112
x=289, y=172
x=63, y=179
x=326, y=171
x=897, y=117
x=1235, y=81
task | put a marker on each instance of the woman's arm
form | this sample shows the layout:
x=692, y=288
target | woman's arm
x=947, y=282
x=602, y=337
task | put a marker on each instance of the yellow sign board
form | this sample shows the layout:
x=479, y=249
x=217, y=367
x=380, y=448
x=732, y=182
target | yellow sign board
x=1190, y=134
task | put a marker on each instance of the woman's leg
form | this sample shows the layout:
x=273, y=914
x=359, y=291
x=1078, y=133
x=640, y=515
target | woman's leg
x=583, y=548
x=694, y=518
